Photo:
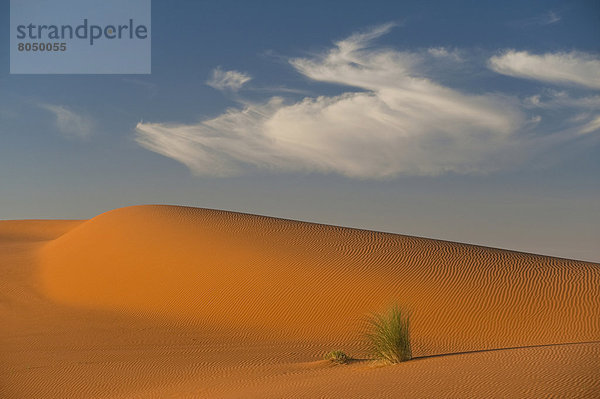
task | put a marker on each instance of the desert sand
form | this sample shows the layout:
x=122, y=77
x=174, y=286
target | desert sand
x=165, y=301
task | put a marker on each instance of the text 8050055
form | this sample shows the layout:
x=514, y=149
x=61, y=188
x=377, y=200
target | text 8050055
x=42, y=46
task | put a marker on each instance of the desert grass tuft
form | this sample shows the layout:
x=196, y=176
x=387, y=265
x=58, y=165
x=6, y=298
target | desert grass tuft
x=388, y=335
x=337, y=357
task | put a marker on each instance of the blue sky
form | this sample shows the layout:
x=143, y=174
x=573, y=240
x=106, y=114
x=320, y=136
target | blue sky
x=474, y=121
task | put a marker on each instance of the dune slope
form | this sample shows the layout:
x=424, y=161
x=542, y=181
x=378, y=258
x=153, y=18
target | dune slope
x=172, y=302
x=286, y=279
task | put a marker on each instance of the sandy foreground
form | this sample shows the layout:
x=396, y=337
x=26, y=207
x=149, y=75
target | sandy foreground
x=164, y=301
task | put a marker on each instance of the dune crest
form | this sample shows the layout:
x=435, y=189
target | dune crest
x=287, y=279
x=35, y=230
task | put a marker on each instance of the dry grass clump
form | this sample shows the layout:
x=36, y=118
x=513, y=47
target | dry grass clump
x=389, y=335
x=337, y=357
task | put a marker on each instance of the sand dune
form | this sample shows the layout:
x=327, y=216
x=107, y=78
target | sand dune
x=294, y=279
x=161, y=301
x=35, y=230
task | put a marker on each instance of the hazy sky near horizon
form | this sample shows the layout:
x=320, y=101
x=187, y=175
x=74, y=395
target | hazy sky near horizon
x=471, y=121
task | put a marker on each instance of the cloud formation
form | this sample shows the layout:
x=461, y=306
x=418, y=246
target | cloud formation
x=592, y=125
x=442, y=52
x=547, y=18
x=554, y=99
x=69, y=123
x=227, y=80
x=568, y=115
x=390, y=120
x=560, y=68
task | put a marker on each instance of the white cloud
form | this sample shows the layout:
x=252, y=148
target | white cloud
x=553, y=99
x=549, y=18
x=392, y=123
x=545, y=19
x=390, y=120
x=227, y=80
x=69, y=123
x=559, y=107
x=592, y=125
x=560, y=68
x=442, y=52
x=215, y=147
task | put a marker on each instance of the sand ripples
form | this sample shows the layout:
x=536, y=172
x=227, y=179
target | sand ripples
x=280, y=278
x=161, y=302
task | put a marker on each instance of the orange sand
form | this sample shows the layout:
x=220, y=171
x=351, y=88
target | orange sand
x=159, y=301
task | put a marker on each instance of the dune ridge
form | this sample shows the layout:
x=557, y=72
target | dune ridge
x=35, y=229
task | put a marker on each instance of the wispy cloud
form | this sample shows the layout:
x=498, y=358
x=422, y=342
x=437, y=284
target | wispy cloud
x=555, y=99
x=593, y=125
x=70, y=123
x=548, y=18
x=227, y=80
x=280, y=89
x=391, y=120
x=577, y=115
x=560, y=68
x=442, y=52
x=150, y=88
x=393, y=123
